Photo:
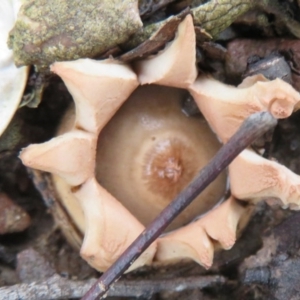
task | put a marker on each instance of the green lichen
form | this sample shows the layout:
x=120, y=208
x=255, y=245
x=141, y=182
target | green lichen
x=143, y=34
x=146, y=33
x=57, y=30
x=216, y=15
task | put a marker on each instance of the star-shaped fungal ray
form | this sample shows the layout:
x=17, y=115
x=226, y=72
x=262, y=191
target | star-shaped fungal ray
x=109, y=228
x=265, y=179
x=71, y=156
x=225, y=107
x=182, y=243
x=176, y=65
x=98, y=88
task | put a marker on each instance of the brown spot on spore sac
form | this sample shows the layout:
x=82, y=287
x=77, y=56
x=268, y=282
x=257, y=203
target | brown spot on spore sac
x=74, y=189
x=168, y=167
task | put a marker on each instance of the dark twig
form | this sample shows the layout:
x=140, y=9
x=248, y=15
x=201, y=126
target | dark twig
x=57, y=287
x=149, y=7
x=253, y=127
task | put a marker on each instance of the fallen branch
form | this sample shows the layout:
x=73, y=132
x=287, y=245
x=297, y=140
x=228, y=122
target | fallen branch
x=56, y=287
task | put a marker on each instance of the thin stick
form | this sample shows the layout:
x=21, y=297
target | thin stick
x=252, y=128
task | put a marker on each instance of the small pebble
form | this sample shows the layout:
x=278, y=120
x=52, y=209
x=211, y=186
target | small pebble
x=13, y=218
x=32, y=266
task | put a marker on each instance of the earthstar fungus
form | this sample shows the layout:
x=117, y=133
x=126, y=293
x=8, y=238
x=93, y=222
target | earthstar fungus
x=99, y=89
